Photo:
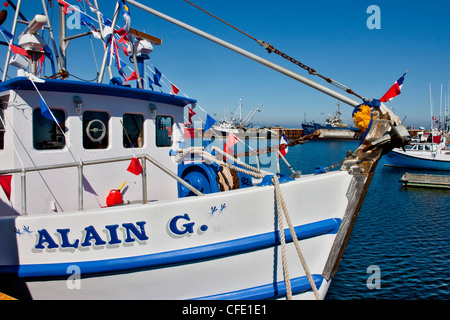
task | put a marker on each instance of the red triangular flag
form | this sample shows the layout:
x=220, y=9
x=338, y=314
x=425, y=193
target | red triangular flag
x=135, y=166
x=6, y=4
x=133, y=76
x=231, y=141
x=191, y=114
x=5, y=183
x=175, y=90
x=19, y=50
x=65, y=4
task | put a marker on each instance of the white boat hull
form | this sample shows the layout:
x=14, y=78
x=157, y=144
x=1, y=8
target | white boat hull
x=439, y=160
x=229, y=259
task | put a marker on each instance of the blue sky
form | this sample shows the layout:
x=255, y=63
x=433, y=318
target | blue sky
x=330, y=36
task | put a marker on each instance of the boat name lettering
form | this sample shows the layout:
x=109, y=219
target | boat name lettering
x=91, y=236
x=184, y=228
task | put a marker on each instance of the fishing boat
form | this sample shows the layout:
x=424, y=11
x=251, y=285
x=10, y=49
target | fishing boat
x=102, y=198
x=431, y=155
x=333, y=128
x=241, y=126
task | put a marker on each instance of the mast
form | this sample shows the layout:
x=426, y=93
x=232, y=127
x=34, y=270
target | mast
x=440, y=111
x=249, y=55
x=431, y=108
x=104, y=62
x=62, y=38
x=13, y=32
x=51, y=35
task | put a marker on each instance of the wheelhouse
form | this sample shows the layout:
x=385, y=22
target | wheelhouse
x=93, y=122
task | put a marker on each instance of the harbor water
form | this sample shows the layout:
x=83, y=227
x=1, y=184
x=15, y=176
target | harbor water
x=399, y=247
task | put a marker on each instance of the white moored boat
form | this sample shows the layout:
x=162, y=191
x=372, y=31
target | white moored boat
x=431, y=155
x=169, y=233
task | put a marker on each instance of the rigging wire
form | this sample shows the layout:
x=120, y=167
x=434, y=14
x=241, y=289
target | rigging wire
x=271, y=49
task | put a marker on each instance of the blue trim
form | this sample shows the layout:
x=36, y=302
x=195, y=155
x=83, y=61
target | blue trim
x=211, y=251
x=268, y=291
x=22, y=83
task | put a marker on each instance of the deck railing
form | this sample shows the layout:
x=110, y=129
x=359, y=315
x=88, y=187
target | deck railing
x=80, y=165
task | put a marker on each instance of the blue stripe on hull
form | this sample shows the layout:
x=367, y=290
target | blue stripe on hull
x=268, y=291
x=211, y=251
x=395, y=159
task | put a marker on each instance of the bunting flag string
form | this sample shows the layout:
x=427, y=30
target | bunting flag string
x=6, y=33
x=135, y=166
x=5, y=183
x=133, y=76
x=45, y=110
x=126, y=15
x=150, y=83
x=231, y=141
x=157, y=78
x=210, y=121
x=175, y=90
x=65, y=5
x=191, y=114
x=283, y=145
x=19, y=50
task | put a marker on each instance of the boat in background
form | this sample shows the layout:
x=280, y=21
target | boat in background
x=430, y=150
x=431, y=155
x=191, y=222
x=241, y=127
x=333, y=128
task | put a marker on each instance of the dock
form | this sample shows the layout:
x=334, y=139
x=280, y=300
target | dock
x=291, y=134
x=425, y=180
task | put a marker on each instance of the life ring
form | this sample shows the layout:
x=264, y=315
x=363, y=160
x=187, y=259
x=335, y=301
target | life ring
x=93, y=128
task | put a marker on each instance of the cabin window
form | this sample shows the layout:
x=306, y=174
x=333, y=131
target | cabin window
x=2, y=129
x=133, y=133
x=46, y=133
x=95, y=130
x=164, y=131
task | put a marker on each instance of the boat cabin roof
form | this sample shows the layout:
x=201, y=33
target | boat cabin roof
x=22, y=83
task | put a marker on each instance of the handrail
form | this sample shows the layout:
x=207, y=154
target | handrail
x=80, y=165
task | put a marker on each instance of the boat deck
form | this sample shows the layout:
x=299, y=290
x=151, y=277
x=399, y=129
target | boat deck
x=425, y=180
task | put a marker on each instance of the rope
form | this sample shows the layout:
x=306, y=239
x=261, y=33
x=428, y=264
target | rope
x=287, y=279
x=281, y=207
x=271, y=49
x=282, y=204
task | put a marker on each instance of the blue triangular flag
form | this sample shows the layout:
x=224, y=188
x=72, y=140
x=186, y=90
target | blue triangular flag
x=150, y=83
x=45, y=111
x=86, y=20
x=157, y=77
x=6, y=33
x=48, y=53
x=210, y=121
